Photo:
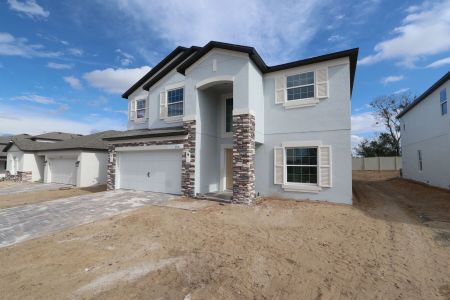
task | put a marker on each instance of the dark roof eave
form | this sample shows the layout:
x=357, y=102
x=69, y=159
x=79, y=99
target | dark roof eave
x=146, y=135
x=153, y=71
x=254, y=56
x=170, y=67
x=428, y=92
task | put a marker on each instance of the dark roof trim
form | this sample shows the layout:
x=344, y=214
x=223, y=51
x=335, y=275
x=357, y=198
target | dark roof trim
x=154, y=70
x=146, y=135
x=428, y=92
x=170, y=67
x=70, y=149
x=352, y=54
x=254, y=56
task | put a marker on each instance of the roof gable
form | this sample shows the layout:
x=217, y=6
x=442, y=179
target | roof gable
x=154, y=70
x=428, y=92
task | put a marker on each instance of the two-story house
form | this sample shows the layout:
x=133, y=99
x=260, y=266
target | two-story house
x=217, y=119
x=425, y=136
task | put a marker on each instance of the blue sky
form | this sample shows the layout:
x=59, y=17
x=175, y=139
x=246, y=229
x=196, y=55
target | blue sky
x=64, y=64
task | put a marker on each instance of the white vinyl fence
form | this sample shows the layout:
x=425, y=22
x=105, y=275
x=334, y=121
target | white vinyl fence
x=387, y=163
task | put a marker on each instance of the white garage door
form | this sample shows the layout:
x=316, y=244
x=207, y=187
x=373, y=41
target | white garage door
x=154, y=171
x=63, y=170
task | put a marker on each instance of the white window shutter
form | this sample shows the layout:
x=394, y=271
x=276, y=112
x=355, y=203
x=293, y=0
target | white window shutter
x=278, y=165
x=280, y=89
x=132, y=110
x=162, y=105
x=322, y=83
x=325, y=172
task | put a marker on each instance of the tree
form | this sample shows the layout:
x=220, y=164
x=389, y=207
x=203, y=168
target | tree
x=386, y=109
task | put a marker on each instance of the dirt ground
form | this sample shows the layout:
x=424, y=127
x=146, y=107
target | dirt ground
x=40, y=196
x=380, y=248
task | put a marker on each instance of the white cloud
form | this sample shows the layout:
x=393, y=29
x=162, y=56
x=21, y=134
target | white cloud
x=271, y=27
x=124, y=58
x=364, y=123
x=401, y=91
x=73, y=82
x=115, y=80
x=335, y=38
x=393, y=78
x=12, y=46
x=35, y=98
x=29, y=8
x=440, y=63
x=57, y=66
x=76, y=51
x=356, y=139
x=423, y=32
x=17, y=120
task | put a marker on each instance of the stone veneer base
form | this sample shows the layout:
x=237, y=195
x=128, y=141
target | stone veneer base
x=244, y=158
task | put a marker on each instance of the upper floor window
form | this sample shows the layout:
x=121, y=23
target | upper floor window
x=443, y=101
x=300, y=86
x=175, y=100
x=140, y=109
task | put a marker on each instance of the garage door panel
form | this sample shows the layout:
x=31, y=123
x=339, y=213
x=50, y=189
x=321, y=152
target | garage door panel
x=63, y=170
x=156, y=171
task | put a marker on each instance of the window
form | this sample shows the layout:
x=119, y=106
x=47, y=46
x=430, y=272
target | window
x=301, y=165
x=419, y=156
x=140, y=109
x=443, y=101
x=229, y=115
x=175, y=102
x=300, y=86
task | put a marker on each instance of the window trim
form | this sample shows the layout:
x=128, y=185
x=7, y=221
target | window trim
x=223, y=118
x=297, y=86
x=136, y=118
x=176, y=118
x=420, y=160
x=286, y=165
x=297, y=186
x=443, y=102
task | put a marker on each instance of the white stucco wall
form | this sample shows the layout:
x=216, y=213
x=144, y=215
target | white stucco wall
x=327, y=122
x=93, y=167
x=424, y=128
x=26, y=162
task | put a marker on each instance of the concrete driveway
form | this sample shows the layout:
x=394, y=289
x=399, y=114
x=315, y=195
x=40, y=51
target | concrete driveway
x=25, y=187
x=30, y=221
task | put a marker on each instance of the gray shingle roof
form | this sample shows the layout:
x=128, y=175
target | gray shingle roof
x=142, y=133
x=91, y=142
x=57, y=136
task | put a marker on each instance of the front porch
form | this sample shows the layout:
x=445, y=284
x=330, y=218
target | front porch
x=225, y=146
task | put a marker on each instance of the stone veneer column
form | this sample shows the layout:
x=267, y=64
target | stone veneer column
x=111, y=172
x=244, y=158
x=188, y=168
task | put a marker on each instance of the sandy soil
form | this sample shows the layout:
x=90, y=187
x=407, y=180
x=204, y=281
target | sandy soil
x=377, y=249
x=40, y=196
x=374, y=175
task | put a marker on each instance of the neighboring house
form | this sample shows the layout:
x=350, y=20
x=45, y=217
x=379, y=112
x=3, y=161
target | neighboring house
x=4, y=140
x=425, y=136
x=217, y=119
x=77, y=160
